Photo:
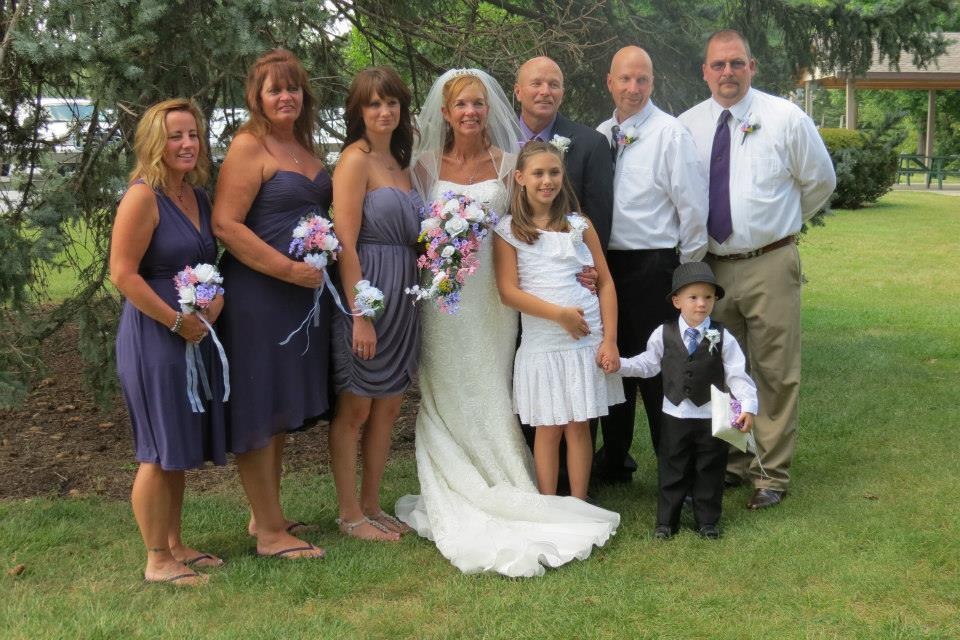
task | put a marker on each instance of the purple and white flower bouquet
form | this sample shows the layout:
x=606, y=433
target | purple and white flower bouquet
x=452, y=232
x=197, y=287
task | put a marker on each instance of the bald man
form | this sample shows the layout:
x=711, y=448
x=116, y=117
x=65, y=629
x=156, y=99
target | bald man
x=539, y=91
x=659, y=220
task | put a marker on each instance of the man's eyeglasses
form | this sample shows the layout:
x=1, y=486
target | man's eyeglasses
x=735, y=65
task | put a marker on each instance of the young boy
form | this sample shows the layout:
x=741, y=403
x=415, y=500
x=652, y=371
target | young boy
x=692, y=353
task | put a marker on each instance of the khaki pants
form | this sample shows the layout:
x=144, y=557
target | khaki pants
x=762, y=310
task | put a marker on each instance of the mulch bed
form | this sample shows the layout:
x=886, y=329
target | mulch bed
x=58, y=442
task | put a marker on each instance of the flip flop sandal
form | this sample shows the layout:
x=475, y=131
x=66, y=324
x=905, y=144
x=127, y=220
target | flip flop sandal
x=284, y=554
x=217, y=562
x=172, y=579
x=300, y=527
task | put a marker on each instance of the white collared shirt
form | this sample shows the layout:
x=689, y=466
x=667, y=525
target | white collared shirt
x=647, y=365
x=659, y=187
x=780, y=173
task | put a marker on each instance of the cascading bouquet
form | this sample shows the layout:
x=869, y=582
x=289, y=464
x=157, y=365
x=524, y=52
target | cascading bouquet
x=316, y=243
x=452, y=231
x=197, y=287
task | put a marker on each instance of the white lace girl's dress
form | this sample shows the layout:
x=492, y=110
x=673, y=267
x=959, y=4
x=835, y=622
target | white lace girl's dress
x=556, y=379
x=478, y=500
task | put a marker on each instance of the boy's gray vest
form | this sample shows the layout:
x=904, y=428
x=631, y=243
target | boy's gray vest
x=690, y=375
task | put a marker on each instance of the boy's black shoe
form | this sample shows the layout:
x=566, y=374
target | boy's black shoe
x=662, y=532
x=709, y=531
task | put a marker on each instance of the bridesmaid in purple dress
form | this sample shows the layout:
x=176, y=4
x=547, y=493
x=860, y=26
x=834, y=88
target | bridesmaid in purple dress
x=163, y=225
x=377, y=221
x=270, y=179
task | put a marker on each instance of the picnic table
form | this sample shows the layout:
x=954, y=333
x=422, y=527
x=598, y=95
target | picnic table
x=930, y=167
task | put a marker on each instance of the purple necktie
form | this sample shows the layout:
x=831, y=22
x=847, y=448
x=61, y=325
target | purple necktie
x=719, y=223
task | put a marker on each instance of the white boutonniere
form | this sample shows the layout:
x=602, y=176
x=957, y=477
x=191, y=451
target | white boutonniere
x=748, y=125
x=713, y=337
x=577, y=225
x=561, y=143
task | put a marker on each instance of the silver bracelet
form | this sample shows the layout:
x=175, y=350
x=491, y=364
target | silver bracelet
x=177, y=323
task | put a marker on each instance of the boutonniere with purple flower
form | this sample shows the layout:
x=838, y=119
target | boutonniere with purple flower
x=713, y=337
x=748, y=125
x=561, y=143
x=625, y=137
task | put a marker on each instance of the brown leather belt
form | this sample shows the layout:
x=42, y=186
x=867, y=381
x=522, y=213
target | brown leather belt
x=782, y=242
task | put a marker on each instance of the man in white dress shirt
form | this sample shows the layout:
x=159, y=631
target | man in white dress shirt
x=769, y=172
x=659, y=220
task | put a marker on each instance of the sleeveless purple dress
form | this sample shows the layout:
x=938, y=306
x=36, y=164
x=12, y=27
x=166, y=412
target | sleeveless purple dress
x=388, y=259
x=275, y=389
x=150, y=359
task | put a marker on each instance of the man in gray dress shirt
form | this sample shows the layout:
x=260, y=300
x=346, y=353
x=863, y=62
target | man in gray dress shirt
x=659, y=220
x=769, y=172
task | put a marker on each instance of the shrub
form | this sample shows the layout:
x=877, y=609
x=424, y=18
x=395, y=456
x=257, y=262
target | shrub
x=865, y=162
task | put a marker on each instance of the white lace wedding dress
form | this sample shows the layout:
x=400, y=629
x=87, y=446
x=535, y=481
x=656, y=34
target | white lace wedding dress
x=478, y=501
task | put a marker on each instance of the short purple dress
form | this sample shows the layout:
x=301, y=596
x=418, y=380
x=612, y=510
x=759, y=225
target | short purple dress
x=388, y=259
x=274, y=388
x=150, y=359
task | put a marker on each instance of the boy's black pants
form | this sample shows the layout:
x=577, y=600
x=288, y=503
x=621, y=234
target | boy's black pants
x=689, y=461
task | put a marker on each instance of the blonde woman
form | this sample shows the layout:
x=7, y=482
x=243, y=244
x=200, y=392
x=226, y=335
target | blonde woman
x=162, y=225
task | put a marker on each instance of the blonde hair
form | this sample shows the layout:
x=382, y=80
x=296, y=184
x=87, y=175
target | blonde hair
x=150, y=141
x=451, y=89
x=282, y=66
x=521, y=223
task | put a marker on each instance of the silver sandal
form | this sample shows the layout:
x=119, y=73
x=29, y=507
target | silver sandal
x=346, y=528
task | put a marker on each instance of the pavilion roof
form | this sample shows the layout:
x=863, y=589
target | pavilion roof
x=942, y=73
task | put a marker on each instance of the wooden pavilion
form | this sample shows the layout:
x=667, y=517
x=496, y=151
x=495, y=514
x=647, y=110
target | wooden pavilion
x=943, y=73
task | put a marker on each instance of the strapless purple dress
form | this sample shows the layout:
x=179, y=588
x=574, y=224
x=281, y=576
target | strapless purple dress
x=150, y=359
x=275, y=389
x=388, y=259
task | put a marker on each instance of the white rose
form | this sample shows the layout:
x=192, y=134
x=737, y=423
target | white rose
x=206, y=273
x=448, y=251
x=329, y=242
x=316, y=260
x=452, y=206
x=437, y=279
x=456, y=225
x=300, y=231
x=473, y=213
x=188, y=297
x=429, y=223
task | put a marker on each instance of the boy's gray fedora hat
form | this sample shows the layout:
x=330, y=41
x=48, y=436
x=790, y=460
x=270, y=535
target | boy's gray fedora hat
x=691, y=272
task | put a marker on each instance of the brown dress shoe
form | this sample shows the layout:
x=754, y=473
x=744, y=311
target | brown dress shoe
x=763, y=498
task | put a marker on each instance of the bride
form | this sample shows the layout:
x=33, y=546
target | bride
x=479, y=502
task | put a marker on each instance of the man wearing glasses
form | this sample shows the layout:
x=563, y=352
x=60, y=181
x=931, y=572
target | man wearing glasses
x=769, y=172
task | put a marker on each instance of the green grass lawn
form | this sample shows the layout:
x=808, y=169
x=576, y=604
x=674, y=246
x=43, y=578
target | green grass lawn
x=865, y=546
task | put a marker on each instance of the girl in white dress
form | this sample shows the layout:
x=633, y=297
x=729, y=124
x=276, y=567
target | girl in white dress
x=558, y=384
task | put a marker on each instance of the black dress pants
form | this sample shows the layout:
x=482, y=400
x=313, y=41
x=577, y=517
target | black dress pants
x=643, y=280
x=691, y=461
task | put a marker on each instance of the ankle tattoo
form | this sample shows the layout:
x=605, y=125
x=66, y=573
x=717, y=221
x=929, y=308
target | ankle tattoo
x=157, y=549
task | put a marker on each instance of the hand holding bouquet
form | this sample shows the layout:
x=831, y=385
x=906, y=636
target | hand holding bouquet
x=315, y=242
x=197, y=288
